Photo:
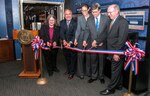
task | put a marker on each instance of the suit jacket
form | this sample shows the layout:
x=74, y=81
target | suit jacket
x=68, y=34
x=117, y=35
x=79, y=35
x=101, y=34
x=44, y=34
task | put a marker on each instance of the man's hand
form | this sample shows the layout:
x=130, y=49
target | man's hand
x=116, y=57
x=64, y=42
x=94, y=45
x=48, y=44
x=75, y=42
x=101, y=44
x=84, y=44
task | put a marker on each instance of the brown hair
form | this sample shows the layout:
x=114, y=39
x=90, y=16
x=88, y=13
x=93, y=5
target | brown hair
x=96, y=6
x=53, y=16
x=85, y=5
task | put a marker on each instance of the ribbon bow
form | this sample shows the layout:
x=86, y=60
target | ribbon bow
x=133, y=55
x=38, y=43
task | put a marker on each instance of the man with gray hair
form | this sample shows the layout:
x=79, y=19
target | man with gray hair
x=116, y=39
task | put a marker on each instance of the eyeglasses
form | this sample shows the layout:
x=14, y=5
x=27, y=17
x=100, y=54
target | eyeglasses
x=95, y=11
x=84, y=10
x=110, y=12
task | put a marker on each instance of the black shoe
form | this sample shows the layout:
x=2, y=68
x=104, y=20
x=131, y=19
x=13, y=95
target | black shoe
x=66, y=73
x=81, y=77
x=119, y=87
x=50, y=73
x=91, y=80
x=88, y=75
x=107, y=92
x=102, y=81
x=70, y=77
x=56, y=70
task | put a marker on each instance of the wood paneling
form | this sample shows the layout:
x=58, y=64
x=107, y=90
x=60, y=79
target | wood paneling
x=6, y=50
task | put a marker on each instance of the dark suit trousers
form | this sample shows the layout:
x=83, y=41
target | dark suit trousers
x=80, y=60
x=88, y=60
x=88, y=64
x=70, y=57
x=97, y=65
x=50, y=58
x=80, y=64
x=116, y=74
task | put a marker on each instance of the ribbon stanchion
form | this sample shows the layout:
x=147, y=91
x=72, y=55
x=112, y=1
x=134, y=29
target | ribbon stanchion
x=37, y=45
x=133, y=55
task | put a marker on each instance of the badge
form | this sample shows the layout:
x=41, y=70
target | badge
x=25, y=37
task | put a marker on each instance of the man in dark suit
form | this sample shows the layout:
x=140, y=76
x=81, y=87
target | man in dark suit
x=116, y=39
x=67, y=30
x=97, y=27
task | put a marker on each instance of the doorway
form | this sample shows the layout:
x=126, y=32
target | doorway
x=34, y=14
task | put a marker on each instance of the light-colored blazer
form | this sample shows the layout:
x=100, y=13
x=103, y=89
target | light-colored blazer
x=79, y=35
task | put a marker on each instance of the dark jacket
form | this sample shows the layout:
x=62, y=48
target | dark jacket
x=68, y=34
x=44, y=34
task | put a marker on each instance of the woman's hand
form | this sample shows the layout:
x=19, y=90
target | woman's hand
x=54, y=44
x=48, y=44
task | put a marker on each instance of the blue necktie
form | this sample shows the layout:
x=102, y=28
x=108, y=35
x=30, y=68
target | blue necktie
x=97, y=24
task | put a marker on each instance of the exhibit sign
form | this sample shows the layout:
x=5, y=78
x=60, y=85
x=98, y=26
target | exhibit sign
x=136, y=19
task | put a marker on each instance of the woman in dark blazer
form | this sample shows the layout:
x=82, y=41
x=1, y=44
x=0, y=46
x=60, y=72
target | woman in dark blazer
x=50, y=34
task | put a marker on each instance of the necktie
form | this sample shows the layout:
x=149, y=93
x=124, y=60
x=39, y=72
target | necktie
x=68, y=22
x=97, y=24
x=111, y=23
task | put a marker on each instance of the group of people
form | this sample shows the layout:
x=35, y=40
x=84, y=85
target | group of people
x=93, y=31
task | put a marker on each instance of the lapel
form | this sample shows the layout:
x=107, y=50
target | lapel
x=83, y=21
x=101, y=24
x=114, y=24
x=70, y=24
x=93, y=32
x=93, y=23
x=65, y=23
x=47, y=32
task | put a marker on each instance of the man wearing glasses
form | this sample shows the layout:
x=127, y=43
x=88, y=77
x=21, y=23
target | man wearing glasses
x=116, y=39
x=96, y=28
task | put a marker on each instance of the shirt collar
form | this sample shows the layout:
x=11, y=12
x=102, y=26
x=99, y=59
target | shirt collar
x=99, y=16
